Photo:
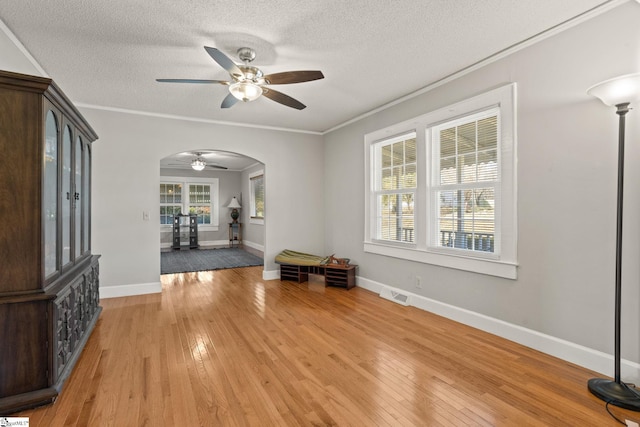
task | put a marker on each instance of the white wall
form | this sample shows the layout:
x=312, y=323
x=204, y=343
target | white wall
x=567, y=163
x=127, y=176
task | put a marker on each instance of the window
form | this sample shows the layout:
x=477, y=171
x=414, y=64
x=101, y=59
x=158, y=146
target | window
x=170, y=202
x=465, y=182
x=200, y=202
x=395, y=186
x=441, y=187
x=256, y=208
x=190, y=196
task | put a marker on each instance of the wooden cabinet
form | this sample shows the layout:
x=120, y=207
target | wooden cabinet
x=49, y=281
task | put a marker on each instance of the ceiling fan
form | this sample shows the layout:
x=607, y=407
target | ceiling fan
x=198, y=163
x=248, y=83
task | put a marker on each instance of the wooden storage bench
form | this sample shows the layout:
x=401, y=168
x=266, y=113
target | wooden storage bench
x=334, y=275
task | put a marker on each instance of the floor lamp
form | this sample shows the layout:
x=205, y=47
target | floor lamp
x=618, y=92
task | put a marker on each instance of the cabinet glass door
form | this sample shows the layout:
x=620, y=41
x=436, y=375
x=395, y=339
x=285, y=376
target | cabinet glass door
x=66, y=196
x=86, y=200
x=78, y=198
x=50, y=195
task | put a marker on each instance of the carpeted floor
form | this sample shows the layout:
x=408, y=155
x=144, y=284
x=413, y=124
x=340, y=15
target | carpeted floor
x=206, y=259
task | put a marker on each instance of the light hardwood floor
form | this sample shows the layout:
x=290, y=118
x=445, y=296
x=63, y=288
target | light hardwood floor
x=227, y=348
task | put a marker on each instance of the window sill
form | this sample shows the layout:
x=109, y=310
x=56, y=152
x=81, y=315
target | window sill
x=490, y=267
x=258, y=221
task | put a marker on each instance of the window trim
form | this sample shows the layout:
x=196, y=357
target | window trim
x=215, y=194
x=503, y=264
x=255, y=219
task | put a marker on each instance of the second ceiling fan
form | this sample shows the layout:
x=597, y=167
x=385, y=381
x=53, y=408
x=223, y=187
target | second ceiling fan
x=248, y=83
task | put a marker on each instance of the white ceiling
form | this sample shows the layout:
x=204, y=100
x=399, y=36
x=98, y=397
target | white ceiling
x=372, y=52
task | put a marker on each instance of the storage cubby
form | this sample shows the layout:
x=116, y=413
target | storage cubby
x=334, y=275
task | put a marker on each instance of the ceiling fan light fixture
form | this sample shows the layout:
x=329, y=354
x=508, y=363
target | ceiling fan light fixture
x=245, y=91
x=198, y=164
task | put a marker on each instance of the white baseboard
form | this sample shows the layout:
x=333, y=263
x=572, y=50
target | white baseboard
x=583, y=356
x=270, y=275
x=129, y=290
x=218, y=243
x=253, y=245
x=206, y=243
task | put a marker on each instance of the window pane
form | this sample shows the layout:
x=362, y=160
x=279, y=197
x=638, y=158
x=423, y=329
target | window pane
x=385, y=156
x=448, y=142
x=397, y=177
x=468, y=152
x=387, y=181
x=488, y=133
x=448, y=171
x=200, y=202
x=409, y=179
x=410, y=150
x=398, y=153
x=466, y=138
x=467, y=219
x=488, y=165
x=396, y=219
x=398, y=165
x=467, y=168
x=257, y=196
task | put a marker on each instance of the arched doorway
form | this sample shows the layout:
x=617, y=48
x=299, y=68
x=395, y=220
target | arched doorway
x=196, y=188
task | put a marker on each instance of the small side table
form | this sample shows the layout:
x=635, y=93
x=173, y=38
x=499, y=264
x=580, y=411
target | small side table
x=235, y=233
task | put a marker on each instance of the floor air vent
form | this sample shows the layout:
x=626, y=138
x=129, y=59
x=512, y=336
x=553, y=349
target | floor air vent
x=394, y=296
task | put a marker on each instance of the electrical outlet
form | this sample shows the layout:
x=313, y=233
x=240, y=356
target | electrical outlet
x=418, y=282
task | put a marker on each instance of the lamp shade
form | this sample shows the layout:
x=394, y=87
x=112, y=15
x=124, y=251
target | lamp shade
x=234, y=204
x=619, y=90
x=245, y=91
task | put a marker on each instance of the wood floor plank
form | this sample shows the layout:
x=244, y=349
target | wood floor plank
x=227, y=348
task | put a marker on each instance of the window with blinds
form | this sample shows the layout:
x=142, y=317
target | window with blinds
x=256, y=184
x=395, y=188
x=442, y=189
x=465, y=162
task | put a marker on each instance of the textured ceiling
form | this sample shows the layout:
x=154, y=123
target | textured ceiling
x=372, y=52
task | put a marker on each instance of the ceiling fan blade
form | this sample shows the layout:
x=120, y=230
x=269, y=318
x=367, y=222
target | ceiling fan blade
x=217, y=167
x=225, y=62
x=283, y=99
x=222, y=82
x=293, y=77
x=229, y=101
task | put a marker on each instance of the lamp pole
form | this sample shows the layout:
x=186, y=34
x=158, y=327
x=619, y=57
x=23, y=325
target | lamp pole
x=619, y=92
x=622, y=110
